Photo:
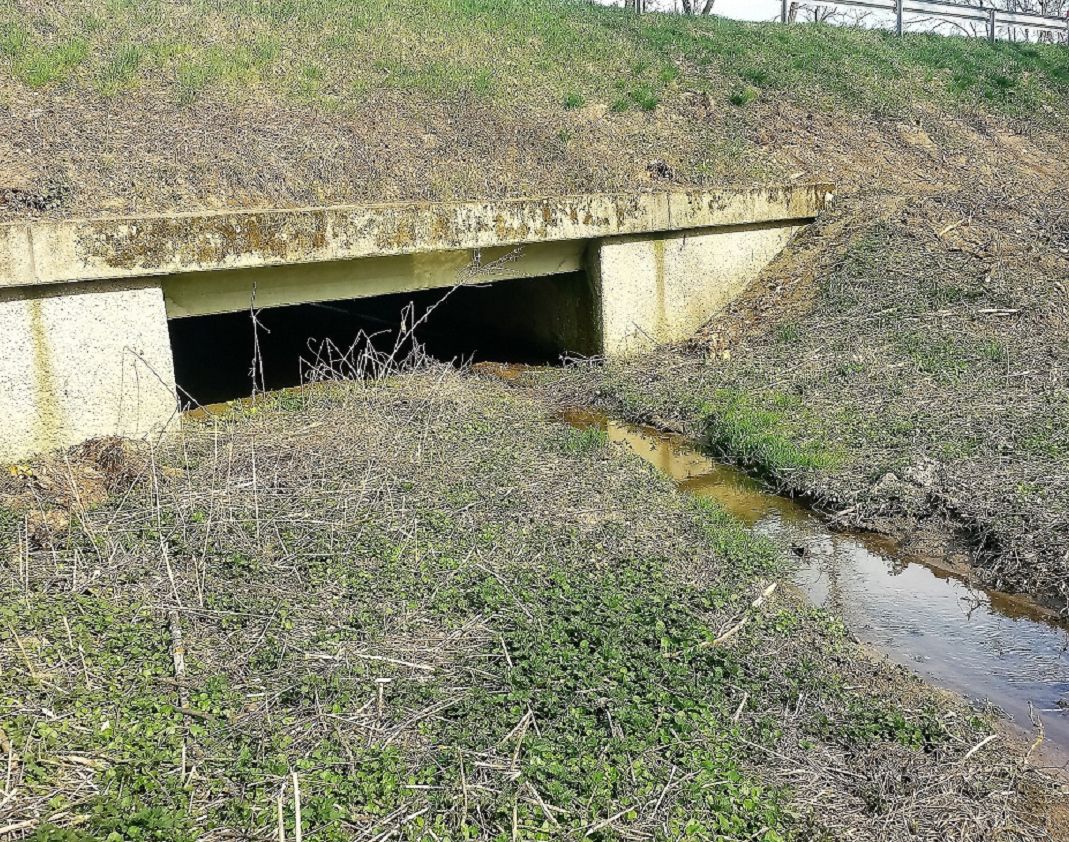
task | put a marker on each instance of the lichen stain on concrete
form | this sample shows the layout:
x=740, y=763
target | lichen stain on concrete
x=507, y=232
x=193, y=241
x=397, y=235
x=106, y=248
x=658, y=272
x=47, y=418
x=440, y=228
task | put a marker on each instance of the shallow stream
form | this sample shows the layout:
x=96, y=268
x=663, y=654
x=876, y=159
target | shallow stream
x=993, y=648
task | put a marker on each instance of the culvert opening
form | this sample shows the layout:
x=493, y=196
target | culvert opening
x=530, y=320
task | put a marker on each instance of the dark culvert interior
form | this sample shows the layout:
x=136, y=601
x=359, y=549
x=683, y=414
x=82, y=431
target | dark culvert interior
x=531, y=320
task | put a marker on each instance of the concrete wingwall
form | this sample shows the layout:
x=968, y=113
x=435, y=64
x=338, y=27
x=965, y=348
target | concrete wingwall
x=655, y=290
x=79, y=362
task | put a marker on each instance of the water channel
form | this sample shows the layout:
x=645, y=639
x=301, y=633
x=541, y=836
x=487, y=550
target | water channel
x=994, y=649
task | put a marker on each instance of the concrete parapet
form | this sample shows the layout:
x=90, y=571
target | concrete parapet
x=46, y=252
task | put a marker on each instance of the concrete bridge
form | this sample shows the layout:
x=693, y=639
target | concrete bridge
x=84, y=304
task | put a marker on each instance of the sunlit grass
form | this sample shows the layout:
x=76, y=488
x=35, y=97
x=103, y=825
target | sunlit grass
x=571, y=51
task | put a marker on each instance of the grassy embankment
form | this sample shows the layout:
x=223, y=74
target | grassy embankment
x=450, y=618
x=141, y=106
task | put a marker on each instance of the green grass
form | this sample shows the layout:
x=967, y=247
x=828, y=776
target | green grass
x=950, y=357
x=583, y=440
x=752, y=428
x=573, y=99
x=42, y=65
x=498, y=49
x=576, y=657
x=743, y=96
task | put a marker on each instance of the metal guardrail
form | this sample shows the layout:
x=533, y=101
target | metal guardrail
x=951, y=11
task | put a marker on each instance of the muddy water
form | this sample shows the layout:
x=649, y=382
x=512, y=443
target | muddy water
x=993, y=648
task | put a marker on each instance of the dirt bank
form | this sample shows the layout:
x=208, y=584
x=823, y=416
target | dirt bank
x=449, y=617
x=904, y=363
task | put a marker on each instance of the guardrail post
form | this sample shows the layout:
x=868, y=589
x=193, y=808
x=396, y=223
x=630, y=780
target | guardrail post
x=991, y=26
x=783, y=11
x=898, y=18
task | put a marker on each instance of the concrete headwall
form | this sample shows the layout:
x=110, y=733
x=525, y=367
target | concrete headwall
x=84, y=346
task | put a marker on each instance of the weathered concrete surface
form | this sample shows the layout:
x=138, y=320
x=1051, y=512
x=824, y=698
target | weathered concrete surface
x=80, y=250
x=81, y=362
x=84, y=348
x=207, y=293
x=662, y=289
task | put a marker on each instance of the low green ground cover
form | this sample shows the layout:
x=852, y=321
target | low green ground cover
x=449, y=618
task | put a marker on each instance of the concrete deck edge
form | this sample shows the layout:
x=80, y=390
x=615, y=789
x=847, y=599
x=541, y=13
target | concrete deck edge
x=52, y=252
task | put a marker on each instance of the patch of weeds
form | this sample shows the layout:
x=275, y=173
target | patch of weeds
x=668, y=74
x=963, y=448
x=41, y=66
x=610, y=666
x=745, y=554
x=217, y=65
x=436, y=78
x=265, y=50
x=850, y=368
x=642, y=96
x=14, y=40
x=949, y=358
x=1030, y=491
x=112, y=821
x=284, y=400
x=10, y=524
x=584, y=440
x=940, y=291
x=119, y=73
x=738, y=427
x=113, y=709
x=743, y=96
x=193, y=78
x=994, y=352
x=1048, y=436
x=868, y=723
x=788, y=333
x=573, y=100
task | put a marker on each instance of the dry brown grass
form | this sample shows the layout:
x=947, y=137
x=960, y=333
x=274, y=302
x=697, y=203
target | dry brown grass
x=917, y=335
x=447, y=614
